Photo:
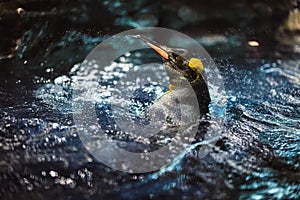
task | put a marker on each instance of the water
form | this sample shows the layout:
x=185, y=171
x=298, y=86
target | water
x=255, y=156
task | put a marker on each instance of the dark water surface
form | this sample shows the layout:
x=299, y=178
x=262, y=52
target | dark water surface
x=257, y=155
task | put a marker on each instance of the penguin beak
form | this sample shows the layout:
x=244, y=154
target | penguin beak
x=159, y=49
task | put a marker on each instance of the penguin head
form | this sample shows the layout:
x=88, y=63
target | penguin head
x=178, y=67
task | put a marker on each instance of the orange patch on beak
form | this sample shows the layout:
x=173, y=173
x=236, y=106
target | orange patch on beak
x=160, y=51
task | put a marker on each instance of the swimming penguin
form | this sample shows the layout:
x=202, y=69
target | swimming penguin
x=181, y=71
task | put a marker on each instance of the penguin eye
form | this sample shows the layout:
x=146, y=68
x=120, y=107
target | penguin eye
x=179, y=63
